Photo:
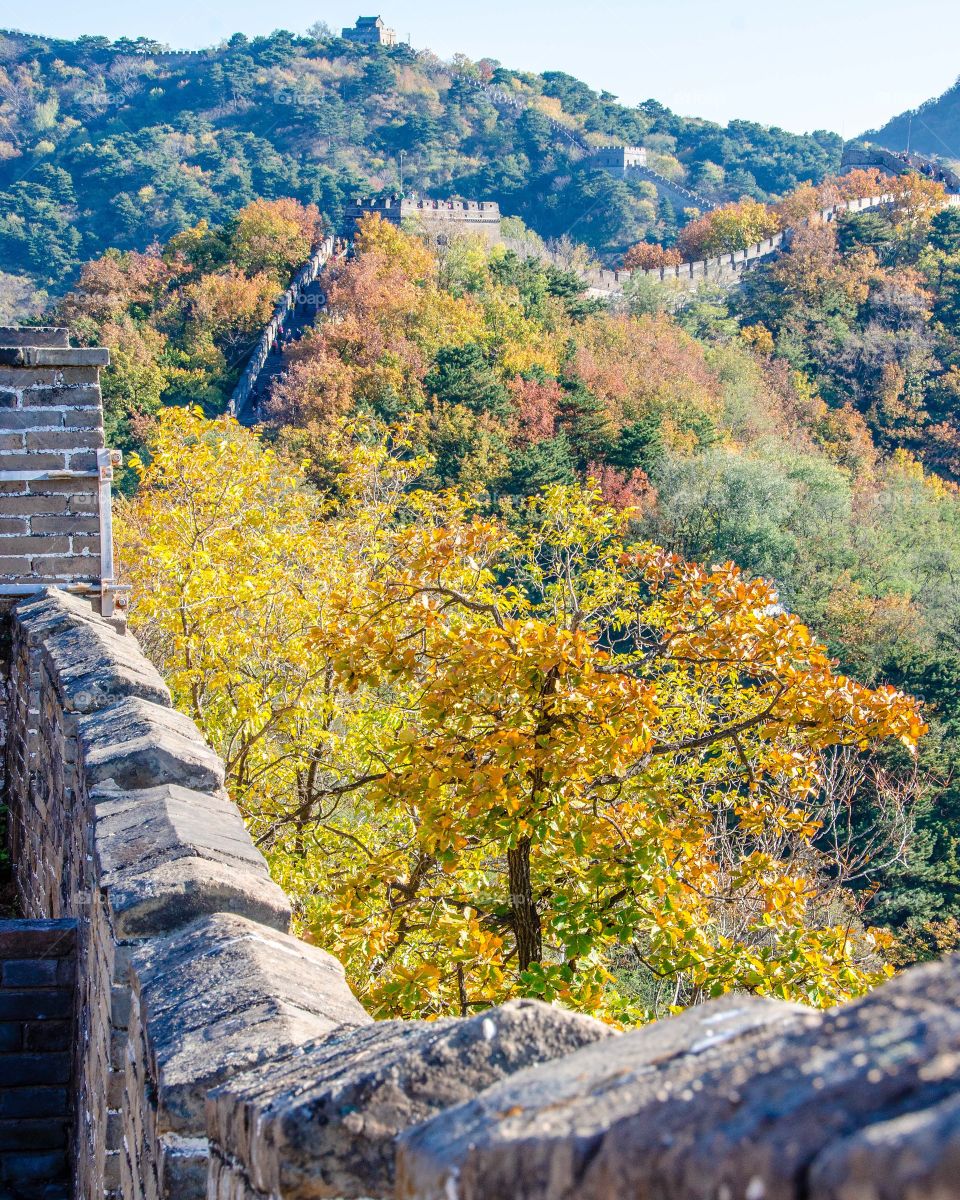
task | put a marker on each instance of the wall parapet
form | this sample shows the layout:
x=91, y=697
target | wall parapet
x=218, y=1056
x=722, y=268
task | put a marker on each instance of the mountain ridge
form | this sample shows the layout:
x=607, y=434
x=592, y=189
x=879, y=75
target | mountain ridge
x=120, y=144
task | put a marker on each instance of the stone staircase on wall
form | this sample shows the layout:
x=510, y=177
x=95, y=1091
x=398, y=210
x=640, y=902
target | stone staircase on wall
x=296, y=308
x=217, y=1056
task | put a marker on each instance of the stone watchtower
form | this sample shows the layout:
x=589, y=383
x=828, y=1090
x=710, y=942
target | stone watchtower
x=619, y=159
x=439, y=220
x=370, y=31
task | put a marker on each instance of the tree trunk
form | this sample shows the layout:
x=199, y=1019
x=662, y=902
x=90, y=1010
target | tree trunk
x=526, y=919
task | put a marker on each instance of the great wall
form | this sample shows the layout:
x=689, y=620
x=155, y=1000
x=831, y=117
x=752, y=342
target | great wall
x=162, y=1034
x=445, y=218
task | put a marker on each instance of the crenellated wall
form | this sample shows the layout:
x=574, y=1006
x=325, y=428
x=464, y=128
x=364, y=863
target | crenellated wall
x=217, y=1056
x=240, y=401
x=724, y=269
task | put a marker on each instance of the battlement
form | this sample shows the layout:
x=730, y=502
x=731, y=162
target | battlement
x=439, y=218
x=723, y=269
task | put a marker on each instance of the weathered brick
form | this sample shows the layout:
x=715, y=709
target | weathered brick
x=65, y=523
x=85, y=460
x=34, y=503
x=35, y=418
x=13, y=461
x=29, y=355
x=65, y=439
x=12, y=525
x=64, y=397
x=11, y=441
x=25, y=377
x=65, y=486
x=35, y=545
x=77, y=566
x=18, y=565
x=74, y=375
x=85, y=545
x=34, y=335
x=81, y=418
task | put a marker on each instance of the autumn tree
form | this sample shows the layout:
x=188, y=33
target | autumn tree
x=491, y=759
x=275, y=236
x=649, y=256
x=730, y=227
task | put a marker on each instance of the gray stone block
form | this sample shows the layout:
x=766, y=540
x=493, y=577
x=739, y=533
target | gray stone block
x=912, y=1157
x=53, y=356
x=183, y=1166
x=142, y=828
x=324, y=1122
x=702, y=1105
x=43, y=335
x=535, y=1133
x=224, y=994
x=95, y=666
x=138, y=744
x=167, y=897
x=52, y=611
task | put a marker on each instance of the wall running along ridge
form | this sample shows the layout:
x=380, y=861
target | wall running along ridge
x=246, y=385
x=217, y=1056
x=724, y=269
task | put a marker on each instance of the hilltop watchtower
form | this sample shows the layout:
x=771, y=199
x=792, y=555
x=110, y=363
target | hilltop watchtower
x=619, y=158
x=371, y=31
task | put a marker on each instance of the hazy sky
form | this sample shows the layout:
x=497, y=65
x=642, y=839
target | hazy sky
x=845, y=65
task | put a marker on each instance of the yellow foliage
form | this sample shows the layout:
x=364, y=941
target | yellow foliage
x=487, y=758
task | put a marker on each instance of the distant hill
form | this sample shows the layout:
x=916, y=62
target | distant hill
x=123, y=143
x=933, y=128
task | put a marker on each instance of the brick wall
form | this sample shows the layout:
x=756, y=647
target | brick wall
x=51, y=433
x=37, y=966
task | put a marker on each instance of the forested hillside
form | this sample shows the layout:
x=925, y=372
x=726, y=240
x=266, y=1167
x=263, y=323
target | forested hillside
x=555, y=646
x=800, y=427
x=120, y=144
x=933, y=128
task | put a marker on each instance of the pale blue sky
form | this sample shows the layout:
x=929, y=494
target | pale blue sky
x=804, y=64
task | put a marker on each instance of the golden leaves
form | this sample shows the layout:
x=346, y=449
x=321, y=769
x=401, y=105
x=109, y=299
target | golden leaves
x=409, y=695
